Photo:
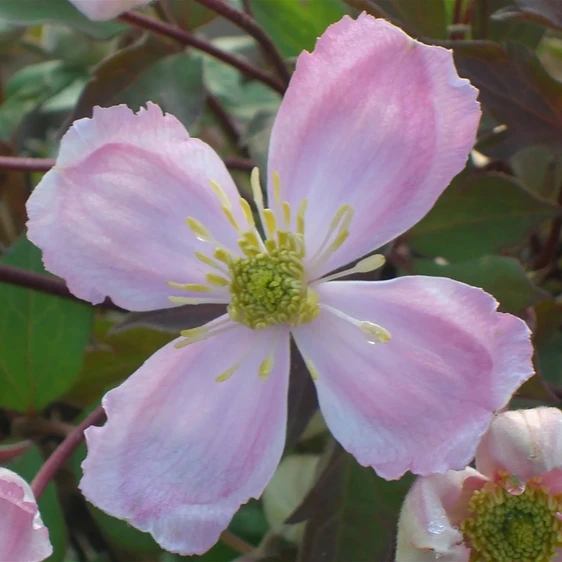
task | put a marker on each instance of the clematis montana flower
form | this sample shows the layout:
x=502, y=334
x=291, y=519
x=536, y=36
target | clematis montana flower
x=408, y=372
x=23, y=537
x=106, y=9
x=509, y=509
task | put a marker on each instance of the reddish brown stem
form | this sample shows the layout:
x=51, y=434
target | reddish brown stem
x=247, y=23
x=189, y=39
x=43, y=283
x=21, y=164
x=63, y=452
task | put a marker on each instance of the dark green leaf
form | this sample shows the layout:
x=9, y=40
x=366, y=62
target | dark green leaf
x=175, y=83
x=295, y=26
x=111, y=358
x=500, y=276
x=544, y=12
x=27, y=467
x=478, y=215
x=33, y=12
x=188, y=14
x=426, y=18
x=42, y=338
x=118, y=72
x=351, y=513
x=516, y=90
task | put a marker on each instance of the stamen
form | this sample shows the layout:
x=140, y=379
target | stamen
x=217, y=326
x=374, y=332
x=276, y=189
x=223, y=256
x=256, y=190
x=191, y=287
x=247, y=212
x=270, y=223
x=363, y=266
x=266, y=367
x=209, y=261
x=231, y=218
x=311, y=368
x=200, y=300
x=217, y=280
x=221, y=194
x=201, y=233
x=231, y=370
x=287, y=213
x=300, y=217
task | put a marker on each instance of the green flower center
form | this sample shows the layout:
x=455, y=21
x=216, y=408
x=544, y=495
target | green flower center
x=512, y=522
x=269, y=289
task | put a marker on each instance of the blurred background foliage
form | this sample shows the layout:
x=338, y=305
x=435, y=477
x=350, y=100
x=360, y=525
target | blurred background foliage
x=497, y=226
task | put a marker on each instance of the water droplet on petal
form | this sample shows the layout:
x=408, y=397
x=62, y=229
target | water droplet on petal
x=436, y=527
x=514, y=486
x=532, y=456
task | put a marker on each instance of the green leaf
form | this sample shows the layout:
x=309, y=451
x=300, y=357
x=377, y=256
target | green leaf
x=188, y=14
x=175, y=83
x=219, y=553
x=426, y=18
x=351, y=513
x=33, y=12
x=295, y=26
x=500, y=276
x=32, y=87
x=479, y=215
x=516, y=90
x=42, y=338
x=111, y=358
x=544, y=12
x=27, y=467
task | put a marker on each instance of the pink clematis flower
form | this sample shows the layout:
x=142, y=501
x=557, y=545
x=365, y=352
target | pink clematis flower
x=371, y=130
x=98, y=10
x=23, y=537
x=508, y=509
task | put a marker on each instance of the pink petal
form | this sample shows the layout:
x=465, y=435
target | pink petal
x=23, y=537
x=106, y=9
x=374, y=119
x=526, y=443
x=422, y=401
x=426, y=531
x=181, y=452
x=110, y=217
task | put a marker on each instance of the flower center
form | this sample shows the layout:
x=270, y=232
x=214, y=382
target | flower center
x=511, y=521
x=270, y=289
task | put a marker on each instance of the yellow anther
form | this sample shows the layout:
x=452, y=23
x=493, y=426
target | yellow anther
x=207, y=260
x=270, y=223
x=256, y=188
x=247, y=212
x=214, y=279
x=231, y=219
x=192, y=287
x=340, y=213
x=374, y=332
x=370, y=264
x=228, y=373
x=339, y=240
x=199, y=230
x=221, y=194
x=312, y=369
x=300, y=217
x=287, y=213
x=276, y=188
x=193, y=300
x=194, y=332
x=223, y=256
x=266, y=367
x=285, y=240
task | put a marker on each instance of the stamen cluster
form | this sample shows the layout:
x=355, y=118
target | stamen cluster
x=507, y=525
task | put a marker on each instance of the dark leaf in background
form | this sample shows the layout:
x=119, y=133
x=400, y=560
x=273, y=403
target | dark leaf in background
x=13, y=195
x=516, y=90
x=295, y=26
x=171, y=320
x=478, y=215
x=423, y=19
x=111, y=358
x=351, y=513
x=256, y=138
x=42, y=338
x=175, y=83
x=544, y=12
x=27, y=467
x=187, y=14
x=118, y=72
x=500, y=276
x=33, y=12
x=303, y=402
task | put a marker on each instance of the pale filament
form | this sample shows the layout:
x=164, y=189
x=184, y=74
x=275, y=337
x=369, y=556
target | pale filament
x=218, y=326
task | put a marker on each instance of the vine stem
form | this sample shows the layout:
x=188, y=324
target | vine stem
x=159, y=27
x=63, y=452
x=247, y=23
